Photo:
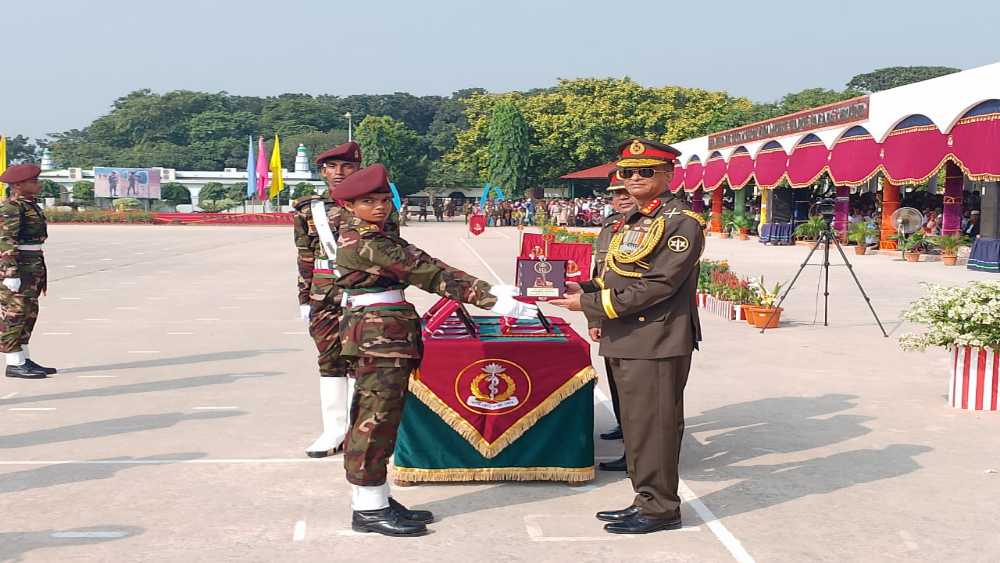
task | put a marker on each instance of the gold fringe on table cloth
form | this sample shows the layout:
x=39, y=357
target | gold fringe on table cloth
x=568, y=474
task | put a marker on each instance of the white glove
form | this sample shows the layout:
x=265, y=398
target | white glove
x=504, y=291
x=304, y=311
x=12, y=284
x=509, y=307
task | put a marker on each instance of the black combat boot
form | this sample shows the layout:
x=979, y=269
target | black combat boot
x=421, y=516
x=620, y=464
x=47, y=371
x=385, y=521
x=25, y=371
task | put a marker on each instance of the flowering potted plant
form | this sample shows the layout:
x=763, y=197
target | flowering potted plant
x=966, y=321
x=767, y=314
x=949, y=245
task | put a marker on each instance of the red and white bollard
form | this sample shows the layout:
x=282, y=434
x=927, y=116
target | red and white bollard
x=974, y=379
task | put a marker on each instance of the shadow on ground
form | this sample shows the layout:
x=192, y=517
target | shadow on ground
x=108, y=427
x=744, y=431
x=144, y=387
x=181, y=360
x=13, y=545
x=66, y=473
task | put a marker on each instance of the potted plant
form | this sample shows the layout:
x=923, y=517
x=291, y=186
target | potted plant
x=727, y=224
x=949, y=245
x=965, y=321
x=912, y=245
x=767, y=314
x=811, y=229
x=741, y=224
x=859, y=233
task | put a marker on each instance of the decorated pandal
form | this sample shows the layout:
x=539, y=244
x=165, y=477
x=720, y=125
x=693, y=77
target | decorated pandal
x=886, y=142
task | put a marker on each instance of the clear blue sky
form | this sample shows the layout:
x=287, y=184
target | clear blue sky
x=73, y=58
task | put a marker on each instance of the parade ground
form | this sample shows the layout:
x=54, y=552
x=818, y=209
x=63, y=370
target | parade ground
x=188, y=391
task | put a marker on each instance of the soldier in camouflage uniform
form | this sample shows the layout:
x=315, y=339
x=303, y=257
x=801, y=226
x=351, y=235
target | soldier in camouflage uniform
x=380, y=332
x=318, y=217
x=22, y=268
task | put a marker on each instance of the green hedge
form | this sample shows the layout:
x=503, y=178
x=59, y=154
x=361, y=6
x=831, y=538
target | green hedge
x=98, y=216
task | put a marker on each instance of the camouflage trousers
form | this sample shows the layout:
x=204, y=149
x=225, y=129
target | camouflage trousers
x=19, y=311
x=376, y=412
x=324, y=327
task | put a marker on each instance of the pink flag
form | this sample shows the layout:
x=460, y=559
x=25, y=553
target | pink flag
x=262, y=173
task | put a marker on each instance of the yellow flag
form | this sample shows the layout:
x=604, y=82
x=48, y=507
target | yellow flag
x=3, y=165
x=277, y=180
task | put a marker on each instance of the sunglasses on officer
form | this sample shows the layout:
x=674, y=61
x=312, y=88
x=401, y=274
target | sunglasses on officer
x=626, y=173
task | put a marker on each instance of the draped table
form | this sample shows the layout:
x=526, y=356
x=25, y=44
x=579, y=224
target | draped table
x=499, y=407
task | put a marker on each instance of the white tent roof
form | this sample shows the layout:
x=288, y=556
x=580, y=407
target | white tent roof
x=944, y=100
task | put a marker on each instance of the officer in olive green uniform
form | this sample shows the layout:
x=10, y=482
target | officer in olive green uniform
x=649, y=328
x=380, y=333
x=22, y=269
x=622, y=203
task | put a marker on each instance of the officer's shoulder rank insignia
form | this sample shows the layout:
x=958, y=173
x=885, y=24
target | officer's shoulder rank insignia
x=617, y=225
x=695, y=216
x=678, y=243
x=650, y=207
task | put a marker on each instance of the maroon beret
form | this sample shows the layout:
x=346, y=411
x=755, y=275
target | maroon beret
x=20, y=173
x=348, y=152
x=369, y=180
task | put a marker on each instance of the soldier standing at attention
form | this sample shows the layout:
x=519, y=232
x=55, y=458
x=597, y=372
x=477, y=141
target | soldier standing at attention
x=649, y=328
x=380, y=332
x=316, y=221
x=22, y=268
x=621, y=203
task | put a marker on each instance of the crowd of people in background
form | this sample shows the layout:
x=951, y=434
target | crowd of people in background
x=576, y=212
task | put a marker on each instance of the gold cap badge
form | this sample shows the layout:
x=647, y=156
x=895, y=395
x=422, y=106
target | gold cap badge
x=637, y=148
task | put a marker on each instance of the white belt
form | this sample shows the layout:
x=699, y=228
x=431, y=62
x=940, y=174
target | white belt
x=365, y=299
x=321, y=264
x=29, y=247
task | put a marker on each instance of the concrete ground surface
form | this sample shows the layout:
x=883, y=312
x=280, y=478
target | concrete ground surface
x=188, y=390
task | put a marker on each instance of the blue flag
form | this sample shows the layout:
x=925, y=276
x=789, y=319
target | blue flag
x=500, y=196
x=485, y=197
x=251, y=171
x=396, y=200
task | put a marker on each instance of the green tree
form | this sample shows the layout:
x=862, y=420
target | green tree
x=508, y=149
x=175, y=193
x=21, y=150
x=892, y=77
x=83, y=192
x=237, y=191
x=390, y=142
x=303, y=189
x=447, y=174
x=811, y=98
x=50, y=189
x=126, y=204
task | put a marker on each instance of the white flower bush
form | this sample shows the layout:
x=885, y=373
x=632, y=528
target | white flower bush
x=956, y=316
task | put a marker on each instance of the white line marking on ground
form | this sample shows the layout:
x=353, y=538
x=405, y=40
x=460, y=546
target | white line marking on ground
x=127, y=308
x=76, y=535
x=69, y=298
x=159, y=298
x=158, y=461
x=207, y=319
x=295, y=333
x=249, y=375
x=96, y=376
x=481, y=259
x=179, y=333
x=349, y=533
x=230, y=307
x=537, y=535
x=32, y=409
x=127, y=283
x=226, y=408
x=725, y=537
x=98, y=320
x=9, y=395
x=143, y=352
x=299, y=533
x=106, y=259
x=56, y=333
x=69, y=266
x=503, y=235
x=908, y=540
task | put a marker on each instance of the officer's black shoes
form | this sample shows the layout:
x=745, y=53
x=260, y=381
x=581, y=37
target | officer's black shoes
x=639, y=524
x=618, y=515
x=613, y=434
x=619, y=464
x=386, y=522
x=421, y=516
x=25, y=371
x=47, y=371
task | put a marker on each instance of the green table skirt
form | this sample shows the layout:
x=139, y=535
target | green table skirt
x=559, y=447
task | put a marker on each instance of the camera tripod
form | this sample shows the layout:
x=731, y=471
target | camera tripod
x=826, y=238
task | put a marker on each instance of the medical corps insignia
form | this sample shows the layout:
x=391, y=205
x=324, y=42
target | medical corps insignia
x=492, y=387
